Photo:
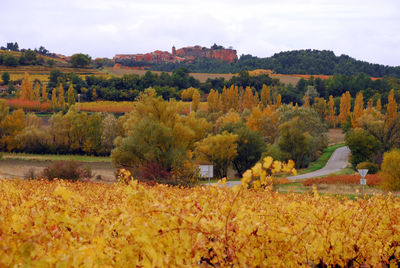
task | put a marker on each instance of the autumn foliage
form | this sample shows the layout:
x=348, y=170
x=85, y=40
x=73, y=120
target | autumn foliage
x=60, y=223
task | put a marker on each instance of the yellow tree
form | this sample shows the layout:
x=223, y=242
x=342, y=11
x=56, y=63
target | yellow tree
x=358, y=109
x=278, y=101
x=36, y=92
x=379, y=105
x=44, y=93
x=248, y=99
x=61, y=99
x=391, y=108
x=225, y=100
x=54, y=98
x=265, y=96
x=219, y=150
x=256, y=98
x=195, y=100
x=10, y=126
x=320, y=107
x=230, y=117
x=71, y=95
x=306, y=101
x=26, y=88
x=332, y=111
x=345, y=106
x=213, y=101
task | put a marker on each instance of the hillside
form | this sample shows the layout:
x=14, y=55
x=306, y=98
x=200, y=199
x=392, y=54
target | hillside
x=323, y=62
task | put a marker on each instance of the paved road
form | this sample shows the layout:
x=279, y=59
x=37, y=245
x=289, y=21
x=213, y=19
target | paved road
x=337, y=162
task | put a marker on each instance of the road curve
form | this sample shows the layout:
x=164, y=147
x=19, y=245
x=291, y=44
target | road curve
x=337, y=162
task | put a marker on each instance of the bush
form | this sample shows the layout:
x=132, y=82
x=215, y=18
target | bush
x=67, y=170
x=391, y=170
x=372, y=180
x=372, y=167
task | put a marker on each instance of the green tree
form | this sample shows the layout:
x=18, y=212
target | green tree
x=156, y=142
x=109, y=131
x=250, y=146
x=10, y=60
x=5, y=76
x=362, y=145
x=80, y=60
x=295, y=142
x=310, y=122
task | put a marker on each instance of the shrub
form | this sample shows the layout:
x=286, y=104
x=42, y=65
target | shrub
x=372, y=180
x=372, y=167
x=68, y=170
x=391, y=170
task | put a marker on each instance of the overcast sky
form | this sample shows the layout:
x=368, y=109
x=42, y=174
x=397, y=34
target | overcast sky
x=364, y=29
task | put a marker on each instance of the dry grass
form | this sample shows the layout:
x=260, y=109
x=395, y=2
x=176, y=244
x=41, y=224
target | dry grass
x=15, y=168
x=335, y=136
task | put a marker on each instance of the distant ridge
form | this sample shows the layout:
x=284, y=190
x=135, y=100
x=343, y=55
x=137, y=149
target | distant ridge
x=306, y=61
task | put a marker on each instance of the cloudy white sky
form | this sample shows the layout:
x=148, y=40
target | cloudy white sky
x=364, y=29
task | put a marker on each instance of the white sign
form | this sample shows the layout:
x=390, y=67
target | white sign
x=206, y=171
x=363, y=172
x=363, y=181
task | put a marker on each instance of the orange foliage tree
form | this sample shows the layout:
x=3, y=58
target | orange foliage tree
x=391, y=109
x=358, y=109
x=345, y=106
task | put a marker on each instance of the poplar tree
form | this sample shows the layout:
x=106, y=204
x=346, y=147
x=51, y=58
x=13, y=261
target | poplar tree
x=278, y=101
x=61, y=99
x=379, y=105
x=195, y=100
x=54, y=98
x=265, y=96
x=71, y=95
x=345, y=106
x=248, y=99
x=358, y=109
x=44, y=93
x=36, y=92
x=332, y=111
x=391, y=108
x=26, y=88
x=306, y=101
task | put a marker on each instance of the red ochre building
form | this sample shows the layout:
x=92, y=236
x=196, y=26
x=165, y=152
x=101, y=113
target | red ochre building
x=183, y=54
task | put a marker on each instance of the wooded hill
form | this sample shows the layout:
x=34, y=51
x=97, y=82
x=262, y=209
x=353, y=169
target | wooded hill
x=290, y=62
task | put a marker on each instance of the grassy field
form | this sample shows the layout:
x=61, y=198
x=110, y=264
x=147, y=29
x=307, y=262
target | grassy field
x=202, y=77
x=55, y=157
x=42, y=72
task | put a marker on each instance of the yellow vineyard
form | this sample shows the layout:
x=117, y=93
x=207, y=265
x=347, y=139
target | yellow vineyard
x=46, y=223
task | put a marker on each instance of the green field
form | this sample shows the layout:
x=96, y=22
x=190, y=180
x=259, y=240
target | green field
x=56, y=157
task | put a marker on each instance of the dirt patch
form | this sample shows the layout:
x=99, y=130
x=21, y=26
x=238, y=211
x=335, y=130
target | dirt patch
x=335, y=136
x=13, y=168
